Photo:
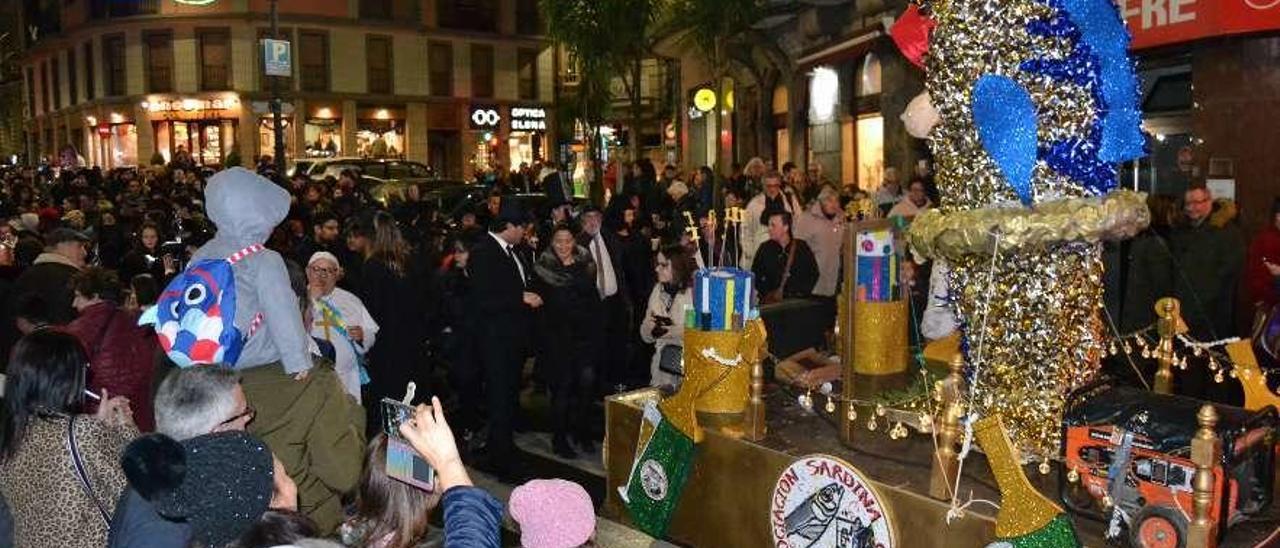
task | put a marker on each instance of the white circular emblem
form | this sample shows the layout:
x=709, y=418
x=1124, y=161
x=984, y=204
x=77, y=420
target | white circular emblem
x=823, y=501
x=653, y=477
x=1262, y=4
x=485, y=117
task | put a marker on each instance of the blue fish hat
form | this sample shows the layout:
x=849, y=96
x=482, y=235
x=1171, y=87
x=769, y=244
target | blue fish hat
x=195, y=315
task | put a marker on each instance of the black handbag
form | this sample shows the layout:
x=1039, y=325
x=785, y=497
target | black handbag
x=671, y=360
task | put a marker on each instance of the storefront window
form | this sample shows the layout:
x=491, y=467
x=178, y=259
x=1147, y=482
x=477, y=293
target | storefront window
x=123, y=145
x=324, y=138
x=380, y=139
x=205, y=142
x=868, y=76
x=870, y=155
x=486, y=155
x=267, y=136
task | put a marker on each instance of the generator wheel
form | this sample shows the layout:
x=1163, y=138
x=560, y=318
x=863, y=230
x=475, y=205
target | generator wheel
x=1158, y=527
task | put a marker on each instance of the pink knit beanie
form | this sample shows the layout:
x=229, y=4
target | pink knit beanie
x=553, y=513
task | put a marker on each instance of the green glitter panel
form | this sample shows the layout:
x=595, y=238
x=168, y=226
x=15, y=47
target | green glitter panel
x=659, y=479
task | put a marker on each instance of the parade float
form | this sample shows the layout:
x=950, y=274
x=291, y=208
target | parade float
x=1004, y=434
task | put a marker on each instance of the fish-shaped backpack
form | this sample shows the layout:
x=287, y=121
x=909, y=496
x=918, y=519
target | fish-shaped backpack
x=195, y=315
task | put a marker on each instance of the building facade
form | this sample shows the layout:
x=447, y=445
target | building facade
x=461, y=86
x=818, y=85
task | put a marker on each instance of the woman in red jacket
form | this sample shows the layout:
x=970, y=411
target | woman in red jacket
x=1262, y=271
x=121, y=354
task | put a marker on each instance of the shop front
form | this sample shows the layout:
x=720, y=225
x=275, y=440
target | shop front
x=1207, y=73
x=485, y=122
x=323, y=132
x=110, y=142
x=379, y=132
x=527, y=140
x=202, y=129
x=267, y=135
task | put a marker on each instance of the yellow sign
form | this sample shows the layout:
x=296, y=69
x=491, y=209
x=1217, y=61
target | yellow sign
x=704, y=99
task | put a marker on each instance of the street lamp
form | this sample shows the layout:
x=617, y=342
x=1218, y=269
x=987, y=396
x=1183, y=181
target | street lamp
x=277, y=125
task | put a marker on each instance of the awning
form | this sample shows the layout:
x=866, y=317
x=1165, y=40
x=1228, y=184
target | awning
x=850, y=48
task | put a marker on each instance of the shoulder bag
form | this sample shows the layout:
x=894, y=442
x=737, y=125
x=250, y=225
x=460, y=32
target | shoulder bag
x=82, y=473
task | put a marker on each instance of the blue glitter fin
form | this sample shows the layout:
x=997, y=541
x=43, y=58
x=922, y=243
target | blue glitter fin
x=1006, y=119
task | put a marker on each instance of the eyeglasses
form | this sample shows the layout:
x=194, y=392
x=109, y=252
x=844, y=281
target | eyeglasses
x=318, y=271
x=249, y=412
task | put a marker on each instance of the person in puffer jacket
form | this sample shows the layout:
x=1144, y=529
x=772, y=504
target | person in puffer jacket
x=120, y=352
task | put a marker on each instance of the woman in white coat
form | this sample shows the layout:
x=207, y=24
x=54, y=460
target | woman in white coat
x=663, y=324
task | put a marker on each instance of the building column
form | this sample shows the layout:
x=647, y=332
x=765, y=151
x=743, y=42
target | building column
x=348, y=127
x=247, y=135
x=468, y=139
x=299, y=127
x=146, y=134
x=900, y=83
x=506, y=18
x=416, y=132
x=430, y=14
x=798, y=120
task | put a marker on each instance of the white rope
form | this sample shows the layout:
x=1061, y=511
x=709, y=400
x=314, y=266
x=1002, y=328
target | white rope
x=956, y=511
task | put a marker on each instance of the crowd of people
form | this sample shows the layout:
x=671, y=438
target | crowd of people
x=345, y=301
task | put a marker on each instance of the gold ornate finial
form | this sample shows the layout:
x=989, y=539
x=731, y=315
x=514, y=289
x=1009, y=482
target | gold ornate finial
x=945, y=465
x=1202, y=533
x=1169, y=326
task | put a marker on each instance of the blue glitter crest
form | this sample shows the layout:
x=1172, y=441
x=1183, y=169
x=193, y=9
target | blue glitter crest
x=1099, y=63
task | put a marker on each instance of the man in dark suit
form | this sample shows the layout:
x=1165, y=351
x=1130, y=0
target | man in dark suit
x=607, y=252
x=503, y=302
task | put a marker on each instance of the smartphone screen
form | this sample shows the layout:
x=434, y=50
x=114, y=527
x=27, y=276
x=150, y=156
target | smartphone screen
x=407, y=466
x=403, y=463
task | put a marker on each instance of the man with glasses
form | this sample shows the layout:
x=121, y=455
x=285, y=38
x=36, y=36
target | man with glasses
x=1208, y=256
x=755, y=223
x=339, y=317
x=190, y=403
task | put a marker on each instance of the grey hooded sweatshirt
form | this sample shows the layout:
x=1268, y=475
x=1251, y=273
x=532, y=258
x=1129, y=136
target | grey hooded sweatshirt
x=246, y=207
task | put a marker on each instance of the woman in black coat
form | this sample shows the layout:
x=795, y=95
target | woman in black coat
x=571, y=329
x=390, y=289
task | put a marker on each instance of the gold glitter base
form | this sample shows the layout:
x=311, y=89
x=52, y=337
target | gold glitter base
x=722, y=388
x=1043, y=334
x=880, y=337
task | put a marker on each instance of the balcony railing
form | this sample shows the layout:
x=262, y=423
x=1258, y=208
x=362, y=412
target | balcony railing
x=104, y=9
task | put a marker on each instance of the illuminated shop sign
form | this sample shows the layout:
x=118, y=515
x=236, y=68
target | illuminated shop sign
x=485, y=117
x=528, y=119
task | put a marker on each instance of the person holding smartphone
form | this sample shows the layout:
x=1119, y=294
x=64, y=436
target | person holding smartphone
x=663, y=324
x=472, y=517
